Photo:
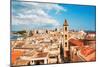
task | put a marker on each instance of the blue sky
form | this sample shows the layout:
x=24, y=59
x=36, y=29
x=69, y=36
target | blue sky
x=34, y=15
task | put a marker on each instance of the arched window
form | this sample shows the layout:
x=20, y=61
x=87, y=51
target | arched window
x=65, y=44
x=65, y=28
x=65, y=37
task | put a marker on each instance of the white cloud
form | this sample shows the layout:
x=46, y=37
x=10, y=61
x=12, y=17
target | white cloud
x=46, y=6
x=35, y=13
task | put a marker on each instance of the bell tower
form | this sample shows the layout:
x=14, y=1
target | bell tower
x=65, y=41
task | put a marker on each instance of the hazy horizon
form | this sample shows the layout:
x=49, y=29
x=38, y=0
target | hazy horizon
x=34, y=15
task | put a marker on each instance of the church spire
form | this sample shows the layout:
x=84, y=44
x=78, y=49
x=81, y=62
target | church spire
x=65, y=23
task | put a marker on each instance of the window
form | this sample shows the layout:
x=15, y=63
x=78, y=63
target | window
x=52, y=57
x=65, y=44
x=65, y=37
x=65, y=28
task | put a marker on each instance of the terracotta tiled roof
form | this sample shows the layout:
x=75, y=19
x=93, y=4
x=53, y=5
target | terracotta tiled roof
x=15, y=54
x=86, y=51
x=76, y=42
x=90, y=38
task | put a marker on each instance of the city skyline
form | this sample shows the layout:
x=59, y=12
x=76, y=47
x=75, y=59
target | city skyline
x=51, y=33
x=33, y=15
